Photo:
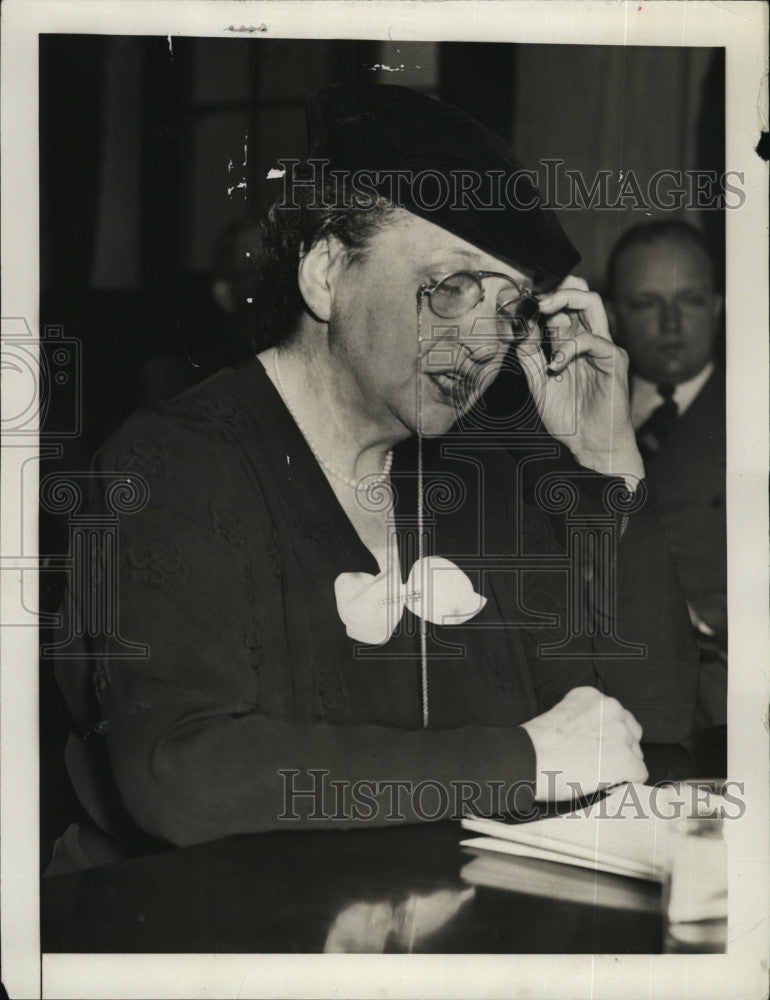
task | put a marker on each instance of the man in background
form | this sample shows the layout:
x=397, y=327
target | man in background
x=665, y=311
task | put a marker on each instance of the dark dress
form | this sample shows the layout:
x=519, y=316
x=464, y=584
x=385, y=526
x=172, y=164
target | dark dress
x=227, y=575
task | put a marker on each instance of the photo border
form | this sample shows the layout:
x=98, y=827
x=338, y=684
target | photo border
x=741, y=27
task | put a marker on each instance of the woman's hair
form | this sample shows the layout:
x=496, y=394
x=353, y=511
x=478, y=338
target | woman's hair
x=288, y=232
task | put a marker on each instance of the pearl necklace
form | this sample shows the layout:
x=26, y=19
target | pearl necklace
x=354, y=484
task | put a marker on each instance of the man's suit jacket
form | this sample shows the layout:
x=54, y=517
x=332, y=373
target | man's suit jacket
x=688, y=474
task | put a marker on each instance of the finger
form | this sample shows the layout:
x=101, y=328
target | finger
x=570, y=297
x=584, y=693
x=633, y=745
x=530, y=354
x=555, y=333
x=633, y=726
x=598, y=349
x=625, y=766
x=636, y=772
x=611, y=707
x=573, y=281
x=588, y=304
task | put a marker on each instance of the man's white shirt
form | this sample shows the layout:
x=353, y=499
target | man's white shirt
x=645, y=397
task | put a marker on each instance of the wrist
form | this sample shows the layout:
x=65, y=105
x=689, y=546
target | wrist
x=625, y=463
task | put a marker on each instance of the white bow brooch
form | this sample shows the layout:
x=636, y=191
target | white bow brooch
x=372, y=606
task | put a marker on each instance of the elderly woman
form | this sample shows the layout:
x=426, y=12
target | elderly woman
x=313, y=613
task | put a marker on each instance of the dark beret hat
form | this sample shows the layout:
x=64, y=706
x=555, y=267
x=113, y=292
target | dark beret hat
x=463, y=177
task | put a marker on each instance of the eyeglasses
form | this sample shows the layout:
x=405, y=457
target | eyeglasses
x=458, y=293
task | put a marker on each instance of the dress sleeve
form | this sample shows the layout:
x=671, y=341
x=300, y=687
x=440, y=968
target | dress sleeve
x=193, y=753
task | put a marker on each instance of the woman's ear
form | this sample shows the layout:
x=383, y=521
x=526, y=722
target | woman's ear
x=316, y=275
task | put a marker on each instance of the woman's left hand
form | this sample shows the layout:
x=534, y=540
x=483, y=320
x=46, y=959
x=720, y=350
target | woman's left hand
x=582, y=394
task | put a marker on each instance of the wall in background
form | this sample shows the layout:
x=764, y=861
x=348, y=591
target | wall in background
x=617, y=109
x=175, y=121
x=144, y=165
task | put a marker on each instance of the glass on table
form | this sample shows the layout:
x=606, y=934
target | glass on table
x=695, y=886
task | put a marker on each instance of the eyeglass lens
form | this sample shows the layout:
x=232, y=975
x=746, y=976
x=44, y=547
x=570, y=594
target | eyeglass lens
x=458, y=293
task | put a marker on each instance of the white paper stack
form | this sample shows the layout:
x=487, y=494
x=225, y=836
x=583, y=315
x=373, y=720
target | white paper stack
x=566, y=883
x=630, y=832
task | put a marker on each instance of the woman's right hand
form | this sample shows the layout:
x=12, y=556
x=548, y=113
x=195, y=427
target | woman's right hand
x=585, y=741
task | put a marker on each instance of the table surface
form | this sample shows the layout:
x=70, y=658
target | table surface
x=397, y=889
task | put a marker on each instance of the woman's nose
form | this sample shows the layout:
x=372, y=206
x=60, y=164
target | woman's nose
x=486, y=335
x=481, y=347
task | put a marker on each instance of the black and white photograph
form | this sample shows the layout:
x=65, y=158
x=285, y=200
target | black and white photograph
x=385, y=446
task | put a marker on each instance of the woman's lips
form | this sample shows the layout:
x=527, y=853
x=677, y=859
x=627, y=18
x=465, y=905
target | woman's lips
x=452, y=387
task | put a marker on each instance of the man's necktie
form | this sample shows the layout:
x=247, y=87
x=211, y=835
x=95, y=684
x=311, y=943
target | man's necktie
x=654, y=431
